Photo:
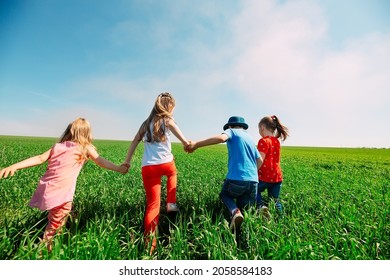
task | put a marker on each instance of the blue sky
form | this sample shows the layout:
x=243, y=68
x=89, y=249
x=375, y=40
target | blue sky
x=322, y=66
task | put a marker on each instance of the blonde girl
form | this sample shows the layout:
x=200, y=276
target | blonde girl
x=271, y=131
x=56, y=187
x=157, y=161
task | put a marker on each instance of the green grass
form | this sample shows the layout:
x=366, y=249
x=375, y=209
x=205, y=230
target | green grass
x=336, y=201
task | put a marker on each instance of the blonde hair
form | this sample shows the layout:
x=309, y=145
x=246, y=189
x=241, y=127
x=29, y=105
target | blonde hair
x=273, y=124
x=79, y=131
x=162, y=109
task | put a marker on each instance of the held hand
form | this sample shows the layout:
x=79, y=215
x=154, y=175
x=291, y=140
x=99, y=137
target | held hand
x=124, y=168
x=10, y=170
x=185, y=145
x=190, y=147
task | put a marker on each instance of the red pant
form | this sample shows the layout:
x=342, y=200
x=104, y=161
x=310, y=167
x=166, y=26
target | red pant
x=57, y=218
x=151, y=176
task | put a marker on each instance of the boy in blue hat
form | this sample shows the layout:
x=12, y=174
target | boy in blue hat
x=240, y=185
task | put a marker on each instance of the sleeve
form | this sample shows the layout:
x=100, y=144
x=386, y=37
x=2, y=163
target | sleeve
x=262, y=146
x=228, y=132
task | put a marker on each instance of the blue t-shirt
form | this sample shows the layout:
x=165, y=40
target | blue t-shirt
x=242, y=156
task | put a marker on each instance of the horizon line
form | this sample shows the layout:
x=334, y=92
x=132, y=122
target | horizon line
x=176, y=142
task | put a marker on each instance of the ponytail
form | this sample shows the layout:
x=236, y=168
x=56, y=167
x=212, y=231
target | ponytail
x=281, y=130
x=273, y=124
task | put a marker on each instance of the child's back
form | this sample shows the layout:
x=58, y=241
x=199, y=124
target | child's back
x=58, y=184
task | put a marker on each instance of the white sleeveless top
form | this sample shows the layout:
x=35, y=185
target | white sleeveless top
x=157, y=152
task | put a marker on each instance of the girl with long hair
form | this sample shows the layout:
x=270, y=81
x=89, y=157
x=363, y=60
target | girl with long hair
x=157, y=161
x=57, y=186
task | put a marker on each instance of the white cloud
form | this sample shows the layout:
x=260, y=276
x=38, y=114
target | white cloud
x=264, y=57
x=279, y=60
x=283, y=63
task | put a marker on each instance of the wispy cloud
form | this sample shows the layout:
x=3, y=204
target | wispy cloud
x=279, y=60
x=251, y=58
x=286, y=64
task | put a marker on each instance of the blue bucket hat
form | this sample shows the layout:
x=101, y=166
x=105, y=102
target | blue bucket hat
x=236, y=121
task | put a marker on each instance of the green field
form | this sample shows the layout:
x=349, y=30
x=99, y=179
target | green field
x=336, y=201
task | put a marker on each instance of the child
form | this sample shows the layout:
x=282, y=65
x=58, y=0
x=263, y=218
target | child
x=57, y=186
x=157, y=161
x=243, y=162
x=270, y=173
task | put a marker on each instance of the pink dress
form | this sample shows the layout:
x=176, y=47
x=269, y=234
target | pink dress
x=58, y=184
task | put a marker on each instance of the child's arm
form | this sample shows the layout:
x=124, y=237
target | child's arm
x=104, y=163
x=32, y=161
x=177, y=132
x=217, y=139
x=132, y=148
x=260, y=162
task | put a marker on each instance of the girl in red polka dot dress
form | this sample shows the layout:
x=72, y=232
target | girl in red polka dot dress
x=270, y=173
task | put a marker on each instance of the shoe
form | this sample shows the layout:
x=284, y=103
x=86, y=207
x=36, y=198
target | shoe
x=236, y=220
x=264, y=211
x=172, y=207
